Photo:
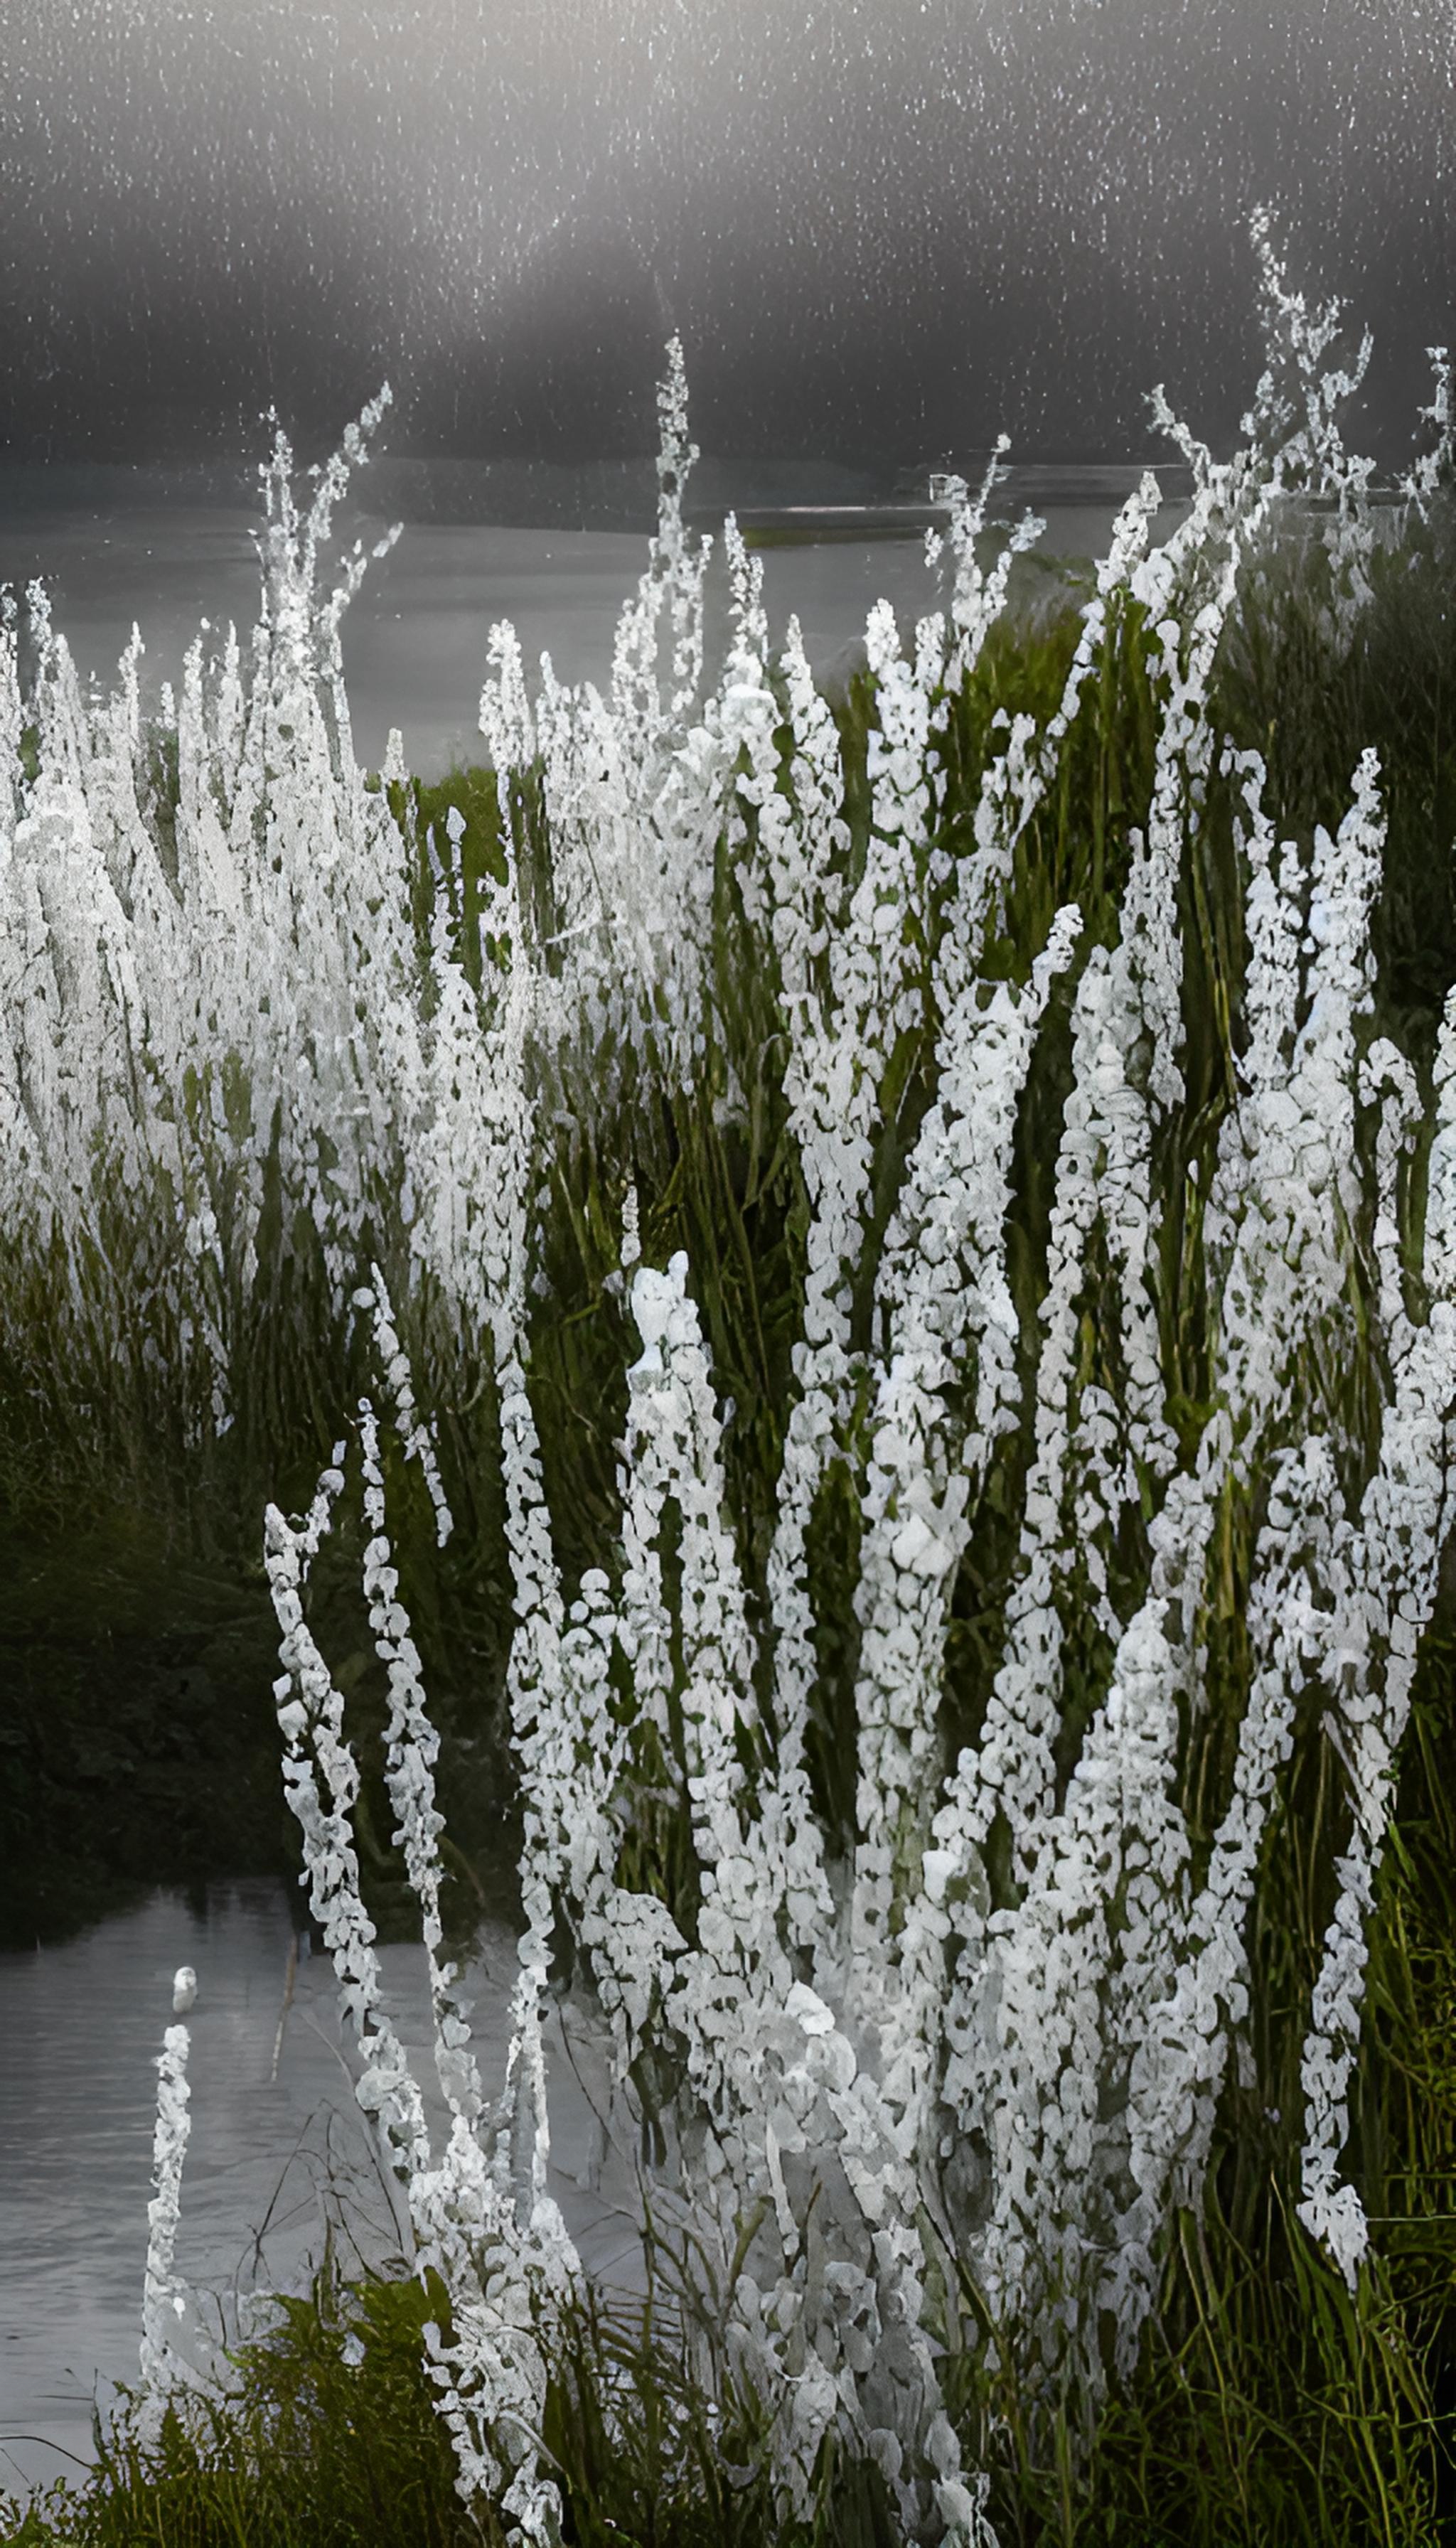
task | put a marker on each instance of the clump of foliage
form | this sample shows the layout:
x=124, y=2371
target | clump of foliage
x=913, y=1245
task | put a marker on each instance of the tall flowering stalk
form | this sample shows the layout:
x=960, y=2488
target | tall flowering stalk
x=187, y=1066
x=481, y=2216
x=1383, y=1581
x=165, y=2292
x=777, y=2109
x=1435, y=470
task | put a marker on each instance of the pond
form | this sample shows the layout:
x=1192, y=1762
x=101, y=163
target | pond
x=277, y=2147
x=116, y=546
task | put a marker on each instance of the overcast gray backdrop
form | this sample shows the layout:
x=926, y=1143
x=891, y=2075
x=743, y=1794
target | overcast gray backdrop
x=883, y=228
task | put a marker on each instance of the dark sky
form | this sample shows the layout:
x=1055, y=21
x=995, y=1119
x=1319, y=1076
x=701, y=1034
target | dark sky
x=884, y=229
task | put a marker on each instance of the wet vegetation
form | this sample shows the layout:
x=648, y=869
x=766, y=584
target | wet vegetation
x=1273, y=2407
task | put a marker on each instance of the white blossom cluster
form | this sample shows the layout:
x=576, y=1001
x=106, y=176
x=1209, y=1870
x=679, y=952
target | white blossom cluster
x=1436, y=469
x=823, y=2313
x=481, y=2216
x=213, y=1029
x=1382, y=1577
x=164, y=2294
x=1077, y=2036
x=983, y=2039
x=632, y=786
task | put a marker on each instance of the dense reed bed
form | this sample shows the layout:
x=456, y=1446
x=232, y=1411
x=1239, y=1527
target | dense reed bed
x=874, y=1289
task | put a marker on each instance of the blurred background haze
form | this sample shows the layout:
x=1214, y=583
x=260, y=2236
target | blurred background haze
x=883, y=229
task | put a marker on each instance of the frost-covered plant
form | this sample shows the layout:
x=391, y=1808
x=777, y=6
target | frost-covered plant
x=956, y=2070
x=1383, y=1580
x=1295, y=421
x=300, y=628
x=1436, y=469
x=631, y=787
x=1089, y=2023
x=164, y=2294
x=480, y=2214
x=187, y=1064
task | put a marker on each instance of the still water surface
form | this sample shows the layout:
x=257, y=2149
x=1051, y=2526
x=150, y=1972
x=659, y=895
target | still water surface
x=416, y=637
x=271, y=2155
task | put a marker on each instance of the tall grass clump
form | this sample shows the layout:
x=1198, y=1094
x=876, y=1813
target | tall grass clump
x=919, y=1241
